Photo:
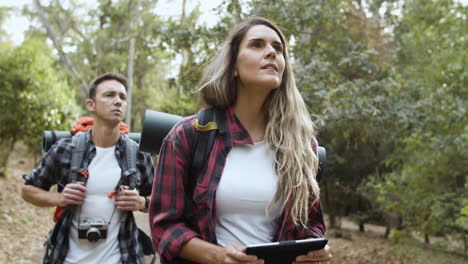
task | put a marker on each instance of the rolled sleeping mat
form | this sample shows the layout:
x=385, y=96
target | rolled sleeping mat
x=156, y=125
x=50, y=137
x=322, y=156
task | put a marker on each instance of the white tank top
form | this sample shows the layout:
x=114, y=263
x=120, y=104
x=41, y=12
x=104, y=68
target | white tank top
x=104, y=175
x=246, y=187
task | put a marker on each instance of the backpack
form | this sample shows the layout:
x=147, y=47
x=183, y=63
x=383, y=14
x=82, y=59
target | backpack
x=80, y=147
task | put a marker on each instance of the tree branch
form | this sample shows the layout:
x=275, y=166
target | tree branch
x=58, y=47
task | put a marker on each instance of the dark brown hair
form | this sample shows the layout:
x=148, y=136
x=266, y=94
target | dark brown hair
x=105, y=77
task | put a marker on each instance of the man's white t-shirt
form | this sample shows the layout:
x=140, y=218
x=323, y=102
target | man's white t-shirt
x=247, y=186
x=104, y=175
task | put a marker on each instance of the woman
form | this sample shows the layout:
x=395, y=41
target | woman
x=258, y=184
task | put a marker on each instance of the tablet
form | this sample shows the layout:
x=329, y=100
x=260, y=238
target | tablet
x=285, y=252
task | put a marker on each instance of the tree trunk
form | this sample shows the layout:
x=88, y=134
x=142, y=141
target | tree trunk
x=6, y=147
x=465, y=246
x=331, y=212
x=361, y=226
x=58, y=47
x=37, y=159
x=427, y=239
x=185, y=51
x=362, y=219
x=387, y=231
x=333, y=221
x=400, y=225
x=131, y=54
x=184, y=2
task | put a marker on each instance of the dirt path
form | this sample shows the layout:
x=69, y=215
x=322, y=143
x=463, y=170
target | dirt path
x=143, y=224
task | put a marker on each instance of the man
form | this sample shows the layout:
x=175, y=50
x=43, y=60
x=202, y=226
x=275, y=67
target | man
x=97, y=224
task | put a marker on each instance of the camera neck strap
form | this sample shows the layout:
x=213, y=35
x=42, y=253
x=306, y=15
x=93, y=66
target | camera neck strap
x=108, y=222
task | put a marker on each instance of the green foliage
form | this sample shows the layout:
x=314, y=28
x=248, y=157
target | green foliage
x=192, y=41
x=178, y=104
x=395, y=235
x=462, y=218
x=33, y=96
x=427, y=184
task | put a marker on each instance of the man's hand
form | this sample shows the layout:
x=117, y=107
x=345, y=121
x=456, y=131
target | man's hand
x=73, y=193
x=129, y=200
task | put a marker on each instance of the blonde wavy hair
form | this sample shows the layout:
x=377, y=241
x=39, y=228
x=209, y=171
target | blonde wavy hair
x=289, y=130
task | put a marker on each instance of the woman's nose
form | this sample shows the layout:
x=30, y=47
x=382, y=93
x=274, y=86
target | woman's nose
x=271, y=52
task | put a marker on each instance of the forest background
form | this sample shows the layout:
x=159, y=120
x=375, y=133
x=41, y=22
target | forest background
x=386, y=81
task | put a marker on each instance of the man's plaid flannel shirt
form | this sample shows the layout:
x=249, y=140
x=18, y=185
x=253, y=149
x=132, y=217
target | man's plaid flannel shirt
x=55, y=169
x=175, y=219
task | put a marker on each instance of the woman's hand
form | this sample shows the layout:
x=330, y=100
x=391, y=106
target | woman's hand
x=234, y=253
x=322, y=256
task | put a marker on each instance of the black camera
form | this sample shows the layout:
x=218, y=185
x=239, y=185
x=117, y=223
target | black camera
x=92, y=229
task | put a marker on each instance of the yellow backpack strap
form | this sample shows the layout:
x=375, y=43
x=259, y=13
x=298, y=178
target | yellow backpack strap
x=202, y=128
x=202, y=143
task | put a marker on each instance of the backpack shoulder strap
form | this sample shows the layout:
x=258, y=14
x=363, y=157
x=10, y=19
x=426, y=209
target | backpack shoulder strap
x=206, y=129
x=78, y=151
x=202, y=142
x=78, y=147
x=131, y=149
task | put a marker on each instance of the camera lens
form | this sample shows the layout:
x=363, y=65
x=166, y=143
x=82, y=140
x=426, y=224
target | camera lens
x=93, y=235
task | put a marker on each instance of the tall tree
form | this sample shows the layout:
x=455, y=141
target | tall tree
x=58, y=45
x=119, y=36
x=433, y=157
x=131, y=57
x=34, y=97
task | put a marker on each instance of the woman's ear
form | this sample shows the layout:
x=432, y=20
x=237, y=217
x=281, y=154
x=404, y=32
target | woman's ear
x=90, y=105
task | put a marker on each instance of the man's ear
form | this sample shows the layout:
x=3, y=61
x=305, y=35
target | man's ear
x=90, y=105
